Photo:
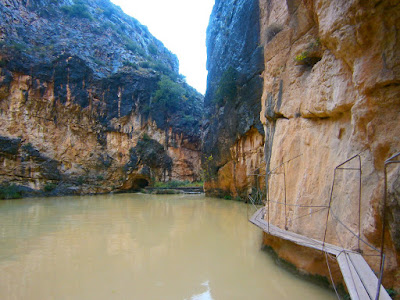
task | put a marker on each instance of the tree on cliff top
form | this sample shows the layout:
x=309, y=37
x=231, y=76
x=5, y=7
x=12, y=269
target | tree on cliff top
x=167, y=101
x=178, y=106
x=168, y=96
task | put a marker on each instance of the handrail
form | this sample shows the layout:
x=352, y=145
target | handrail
x=395, y=159
x=340, y=167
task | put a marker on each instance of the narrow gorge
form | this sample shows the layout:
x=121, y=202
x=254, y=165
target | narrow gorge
x=92, y=103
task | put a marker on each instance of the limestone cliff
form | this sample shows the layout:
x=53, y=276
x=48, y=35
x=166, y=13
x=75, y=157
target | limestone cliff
x=81, y=83
x=233, y=133
x=331, y=90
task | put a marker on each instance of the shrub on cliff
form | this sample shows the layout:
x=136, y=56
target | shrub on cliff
x=169, y=94
x=166, y=101
x=77, y=10
x=311, y=55
x=177, y=105
x=227, y=87
x=49, y=187
x=163, y=69
x=153, y=49
x=134, y=47
x=10, y=191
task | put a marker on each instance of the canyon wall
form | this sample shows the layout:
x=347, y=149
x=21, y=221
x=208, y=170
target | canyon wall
x=82, y=90
x=331, y=91
x=233, y=135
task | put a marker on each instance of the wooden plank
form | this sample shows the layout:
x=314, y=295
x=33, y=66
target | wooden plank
x=367, y=276
x=360, y=280
x=354, y=284
x=258, y=220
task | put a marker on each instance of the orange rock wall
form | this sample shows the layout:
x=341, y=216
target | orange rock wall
x=331, y=91
x=69, y=134
x=243, y=173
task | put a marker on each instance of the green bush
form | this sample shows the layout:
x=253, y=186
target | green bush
x=162, y=68
x=9, y=191
x=146, y=137
x=82, y=179
x=50, y=187
x=311, y=55
x=127, y=63
x=77, y=10
x=168, y=95
x=144, y=64
x=21, y=47
x=134, y=47
x=171, y=184
x=109, y=11
x=227, y=87
x=153, y=49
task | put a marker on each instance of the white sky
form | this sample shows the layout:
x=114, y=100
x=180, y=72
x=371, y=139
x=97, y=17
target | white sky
x=181, y=26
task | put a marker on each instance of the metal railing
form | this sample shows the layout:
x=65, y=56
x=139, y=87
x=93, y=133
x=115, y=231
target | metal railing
x=281, y=170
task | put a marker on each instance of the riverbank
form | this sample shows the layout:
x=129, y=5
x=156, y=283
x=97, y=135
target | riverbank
x=14, y=191
x=177, y=190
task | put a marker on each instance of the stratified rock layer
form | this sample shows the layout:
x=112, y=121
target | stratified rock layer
x=77, y=85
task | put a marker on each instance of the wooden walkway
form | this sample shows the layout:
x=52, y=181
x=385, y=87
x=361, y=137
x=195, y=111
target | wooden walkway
x=360, y=280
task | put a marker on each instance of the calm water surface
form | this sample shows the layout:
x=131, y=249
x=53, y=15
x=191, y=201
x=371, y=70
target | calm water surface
x=133, y=246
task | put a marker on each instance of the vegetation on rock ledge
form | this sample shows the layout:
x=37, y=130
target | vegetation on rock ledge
x=10, y=191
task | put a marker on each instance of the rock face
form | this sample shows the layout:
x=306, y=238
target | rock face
x=331, y=90
x=81, y=83
x=233, y=132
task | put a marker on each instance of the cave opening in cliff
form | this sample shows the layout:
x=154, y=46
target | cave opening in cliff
x=139, y=183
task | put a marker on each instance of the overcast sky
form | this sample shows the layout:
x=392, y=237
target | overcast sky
x=181, y=25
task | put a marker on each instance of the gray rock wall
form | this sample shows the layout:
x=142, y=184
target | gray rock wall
x=234, y=85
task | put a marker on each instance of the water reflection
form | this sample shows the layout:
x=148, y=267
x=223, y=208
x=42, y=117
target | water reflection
x=203, y=296
x=138, y=247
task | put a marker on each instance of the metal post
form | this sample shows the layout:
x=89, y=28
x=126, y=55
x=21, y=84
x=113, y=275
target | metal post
x=329, y=208
x=284, y=184
x=378, y=290
x=388, y=162
x=268, y=205
x=359, y=205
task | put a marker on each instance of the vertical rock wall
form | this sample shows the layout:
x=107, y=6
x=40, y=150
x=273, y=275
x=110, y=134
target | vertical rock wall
x=233, y=101
x=331, y=91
